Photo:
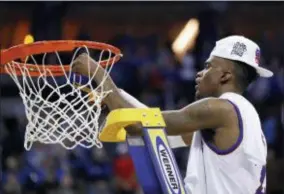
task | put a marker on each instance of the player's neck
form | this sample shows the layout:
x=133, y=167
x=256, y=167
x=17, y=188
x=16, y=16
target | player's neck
x=227, y=89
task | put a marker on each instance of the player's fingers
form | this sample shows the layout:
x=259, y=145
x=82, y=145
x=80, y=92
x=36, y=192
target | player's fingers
x=78, y=63
x=83, y=58
x=75, y=67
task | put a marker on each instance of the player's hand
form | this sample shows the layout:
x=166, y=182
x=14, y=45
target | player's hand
x=85, y=65
x=91, y=69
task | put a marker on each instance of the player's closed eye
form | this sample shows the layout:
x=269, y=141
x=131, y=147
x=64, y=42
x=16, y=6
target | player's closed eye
x=207, y=66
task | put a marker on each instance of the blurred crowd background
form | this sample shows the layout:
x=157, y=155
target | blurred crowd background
x=149, y=70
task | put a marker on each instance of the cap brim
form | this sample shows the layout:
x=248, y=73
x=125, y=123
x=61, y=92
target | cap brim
x=262, y=72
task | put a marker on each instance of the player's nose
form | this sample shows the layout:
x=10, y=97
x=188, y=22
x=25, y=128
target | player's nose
x=199, y=74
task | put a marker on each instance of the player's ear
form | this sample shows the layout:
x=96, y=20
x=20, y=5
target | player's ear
x=226, y=76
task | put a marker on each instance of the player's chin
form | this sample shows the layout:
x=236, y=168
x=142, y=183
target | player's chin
x=197, y=95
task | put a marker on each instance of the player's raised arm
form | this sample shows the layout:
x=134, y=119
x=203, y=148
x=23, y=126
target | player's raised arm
x=207, y=113
x=121, y=99
x=203, y=114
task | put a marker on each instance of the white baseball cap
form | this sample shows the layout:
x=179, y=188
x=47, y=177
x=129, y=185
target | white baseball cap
x=241, y=49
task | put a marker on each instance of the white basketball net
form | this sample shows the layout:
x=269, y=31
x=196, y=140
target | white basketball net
x=62, y=121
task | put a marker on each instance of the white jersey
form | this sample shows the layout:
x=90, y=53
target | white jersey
x=238, y=170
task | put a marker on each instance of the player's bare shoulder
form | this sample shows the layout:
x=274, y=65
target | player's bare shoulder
x=215, y=112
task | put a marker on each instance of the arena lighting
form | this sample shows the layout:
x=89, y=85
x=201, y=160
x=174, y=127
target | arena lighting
x=186, y=38
x=28, y=39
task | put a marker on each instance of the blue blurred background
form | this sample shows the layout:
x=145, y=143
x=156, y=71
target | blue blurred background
x=150, y=70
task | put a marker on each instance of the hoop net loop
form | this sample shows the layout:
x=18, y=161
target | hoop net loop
x=68, y=114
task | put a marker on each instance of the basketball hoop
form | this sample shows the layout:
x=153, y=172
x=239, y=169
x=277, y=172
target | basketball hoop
x=69, y=112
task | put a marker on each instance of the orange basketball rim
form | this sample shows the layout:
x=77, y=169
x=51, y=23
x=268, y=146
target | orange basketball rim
x=8, y=56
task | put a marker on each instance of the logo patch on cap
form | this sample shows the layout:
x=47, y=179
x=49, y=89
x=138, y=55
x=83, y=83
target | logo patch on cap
x=239, y=49
x=257, y=56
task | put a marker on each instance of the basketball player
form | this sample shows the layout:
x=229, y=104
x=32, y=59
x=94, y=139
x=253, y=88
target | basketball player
x=228, y=150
